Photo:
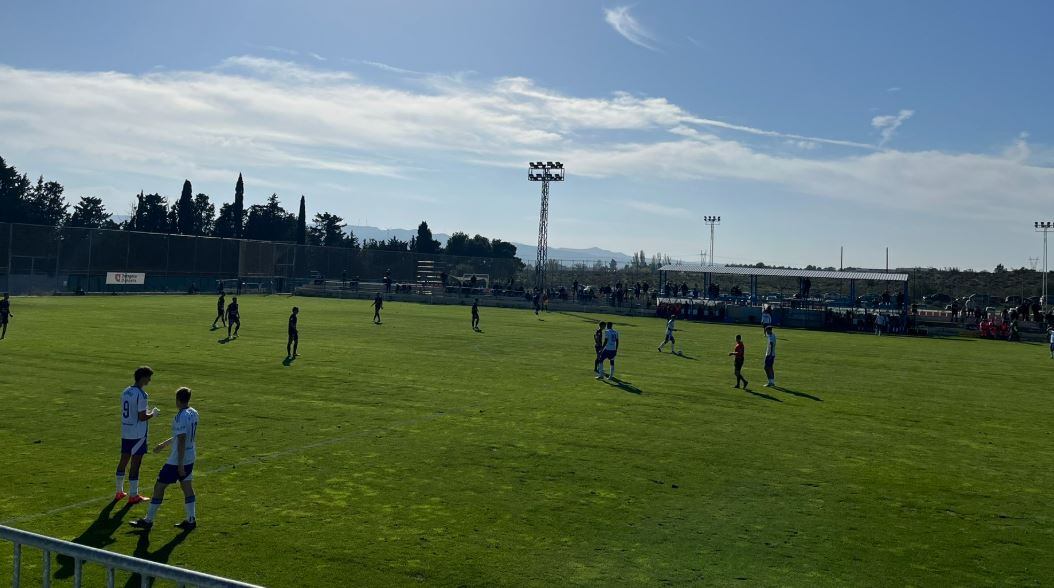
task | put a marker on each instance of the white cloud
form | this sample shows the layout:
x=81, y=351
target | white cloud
x=316, y=56
x=652, y=207
x=624, y=24
x=893, y=89
x=888, y=124
x=298, y=124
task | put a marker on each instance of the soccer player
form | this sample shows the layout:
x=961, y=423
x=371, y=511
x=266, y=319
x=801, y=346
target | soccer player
x=537, y=302
x=770, y=356
x=294, y=335
x=234, y=318
x=135, y=419
x=220, y=315
x=475, y=315
x=180, y=464
x=610, y=351
x=1050, y=331
x=378, y=304
x=739, y=352
x=670, y=328
x=5, y=314
x=598, y=345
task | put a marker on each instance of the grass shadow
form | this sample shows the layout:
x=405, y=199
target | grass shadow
x=762, y=395
x=99, y=534
x=623, y=385
x=682, y=355
x=224, y=340
x=798, y=394
x=589, y=320
x=161, y=555
x=288, y=361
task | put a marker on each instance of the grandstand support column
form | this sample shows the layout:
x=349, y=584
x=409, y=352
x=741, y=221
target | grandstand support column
x=544, y=172
x=852, y=293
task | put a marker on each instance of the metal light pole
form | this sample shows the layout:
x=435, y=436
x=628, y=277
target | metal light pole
x=1044, y=227
x=544, y=172
x=712, y=220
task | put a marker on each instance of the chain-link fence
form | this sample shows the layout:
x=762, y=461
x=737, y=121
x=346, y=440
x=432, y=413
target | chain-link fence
x=40, y=259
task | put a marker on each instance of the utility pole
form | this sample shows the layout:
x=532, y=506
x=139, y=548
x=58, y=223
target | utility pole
x=1032, y=261
x=841, y=258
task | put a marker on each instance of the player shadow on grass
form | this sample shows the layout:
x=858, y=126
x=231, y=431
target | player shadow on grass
x=798, y=394
x=591, y=321
x=161, y=555
x=99, y=534
x=683, y=355
x=761, y=395
x=288, y=361
x=623, y=385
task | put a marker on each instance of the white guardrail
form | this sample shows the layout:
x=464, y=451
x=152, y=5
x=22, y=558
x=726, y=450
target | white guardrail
x=148, y=571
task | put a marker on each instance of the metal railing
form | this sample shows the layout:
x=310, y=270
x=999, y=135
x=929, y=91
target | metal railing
x=148, y=571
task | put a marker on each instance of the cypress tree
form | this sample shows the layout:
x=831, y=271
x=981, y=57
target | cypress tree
x=301, y=223
x=238, y=214
x=185, y=211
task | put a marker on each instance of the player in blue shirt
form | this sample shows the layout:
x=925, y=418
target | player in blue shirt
x=135, y=417
x=180, y=464
x=234, y=317
x=220, y=314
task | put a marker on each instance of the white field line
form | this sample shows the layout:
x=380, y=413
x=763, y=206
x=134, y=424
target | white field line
x=255, y=459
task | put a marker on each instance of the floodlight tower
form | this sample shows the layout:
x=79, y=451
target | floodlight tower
x=1044, y=227
x=712, y=221
x=544, y=172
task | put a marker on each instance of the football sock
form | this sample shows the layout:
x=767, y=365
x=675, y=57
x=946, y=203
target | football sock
x=133, y=487
x=190, y=504
x=155, y=503
x=120, y=481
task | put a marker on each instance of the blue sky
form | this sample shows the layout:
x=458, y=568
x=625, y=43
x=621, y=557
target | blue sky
x=924, y=127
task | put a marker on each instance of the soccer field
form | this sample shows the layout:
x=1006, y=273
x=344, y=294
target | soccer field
x=420, y=451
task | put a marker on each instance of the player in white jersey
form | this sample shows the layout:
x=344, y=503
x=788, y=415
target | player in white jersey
x=1050, y=331
x=180, y=464
x=610, y=350
x=670, y=328
x=134, y=428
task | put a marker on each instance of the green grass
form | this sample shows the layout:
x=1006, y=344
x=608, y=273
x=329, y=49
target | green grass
x=419, y=451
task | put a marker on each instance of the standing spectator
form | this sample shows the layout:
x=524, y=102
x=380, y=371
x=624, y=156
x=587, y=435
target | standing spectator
x=574, y=291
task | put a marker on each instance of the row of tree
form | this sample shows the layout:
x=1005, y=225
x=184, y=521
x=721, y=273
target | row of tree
x=43, y=203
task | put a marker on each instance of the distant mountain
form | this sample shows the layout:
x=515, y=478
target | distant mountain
x=524, y=251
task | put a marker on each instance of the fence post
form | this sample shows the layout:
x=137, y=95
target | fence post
x=47, y=569
x=58, y=259
x=91, y=233
x=10, y=250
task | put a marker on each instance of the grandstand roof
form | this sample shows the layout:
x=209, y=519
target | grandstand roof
x=696, y=268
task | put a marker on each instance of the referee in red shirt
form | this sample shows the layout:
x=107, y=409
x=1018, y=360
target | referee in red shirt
x=739, y=351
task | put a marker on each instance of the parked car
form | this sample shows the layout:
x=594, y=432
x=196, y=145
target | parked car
x=937, y=299
x=1012, y=301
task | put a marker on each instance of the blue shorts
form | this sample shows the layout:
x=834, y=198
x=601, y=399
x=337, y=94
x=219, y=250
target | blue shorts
x=169, y=473
x=133, y=446
x=608, y=354
x=769, y=360
x=1052, y=346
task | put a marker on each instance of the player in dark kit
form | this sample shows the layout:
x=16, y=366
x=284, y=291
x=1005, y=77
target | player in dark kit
x=294, y=335
x=475, y=315
x=598, y=346
x=234, y=319
x=5, y=314
x=378, y=304
x=739, y=353
x=537, y=302
x=220, y=315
